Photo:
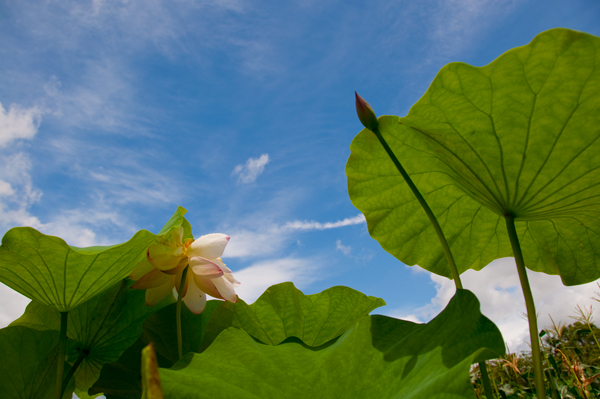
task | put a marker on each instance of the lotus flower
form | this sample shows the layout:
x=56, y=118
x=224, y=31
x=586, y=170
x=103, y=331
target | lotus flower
x=166, y=260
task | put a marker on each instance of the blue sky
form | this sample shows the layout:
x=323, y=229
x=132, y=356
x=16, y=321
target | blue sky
x=116, y=112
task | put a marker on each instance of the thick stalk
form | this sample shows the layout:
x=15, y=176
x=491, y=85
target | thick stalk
x=426, y=208
x=486, y=380
x=60, y=359
x=536, y=356
x=73, y=369
x=441, y=238
x=178, y=312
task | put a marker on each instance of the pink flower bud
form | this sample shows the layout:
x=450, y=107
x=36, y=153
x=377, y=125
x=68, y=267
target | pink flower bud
x=365, y=113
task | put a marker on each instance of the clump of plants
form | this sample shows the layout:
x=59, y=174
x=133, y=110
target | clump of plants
x=571, y=364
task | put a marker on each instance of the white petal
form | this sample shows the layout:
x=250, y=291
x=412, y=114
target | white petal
x=194, y=299
x=225, y=288
x=222, y=265
x=207, y=285
x=231, y=279
x=210, y=246
x=205, y=267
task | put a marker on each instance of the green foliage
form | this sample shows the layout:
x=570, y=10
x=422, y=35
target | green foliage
x=281, y=312
x=380, y=357
x=571, y=362
x=99, y=330
x=28, y=366
x=516, y=137
x=47, y=270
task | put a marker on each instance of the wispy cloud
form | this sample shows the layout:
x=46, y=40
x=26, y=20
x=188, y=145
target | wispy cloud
x=345, y=249
x=307, y=225
x=101, y=96
x=457, y=22
x=77, y=224
x=18, y=123
x=269, y=238
x=248, y=172
x=257, y=278
x=498, y=289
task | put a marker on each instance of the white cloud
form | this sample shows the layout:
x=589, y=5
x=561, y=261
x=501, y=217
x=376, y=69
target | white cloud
x=262, y=241
x=251, y=170
x=18, y=193
x=5, y=189
x=12, y=305
x=257, y=278
x=137, y=185
x=498, y=289
x=340, y=247
x=102, y=95
x=458, y=22
x=267, y=238
x=304, y=225
x=18, y=123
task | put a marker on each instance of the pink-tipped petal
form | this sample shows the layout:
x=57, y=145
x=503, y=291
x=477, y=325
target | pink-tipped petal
x=206, y=285
x=157, y=294
x=142, y=268
x=225, y=288
x=210, y=246
x=205, y=267
x=195, y=299
x=222, y=265
x=150, y=280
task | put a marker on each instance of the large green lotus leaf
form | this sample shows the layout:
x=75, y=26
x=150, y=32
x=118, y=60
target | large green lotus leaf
x=122, y=379
x=47, y=270
x=283, y=311
x=379, y=357
x=516, y=137
x=100, y=329
x=28, y=366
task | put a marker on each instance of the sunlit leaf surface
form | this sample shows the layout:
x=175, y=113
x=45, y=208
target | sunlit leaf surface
x=47, y=270
x=281, y=312
x=379, y=357
x=518, y=136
